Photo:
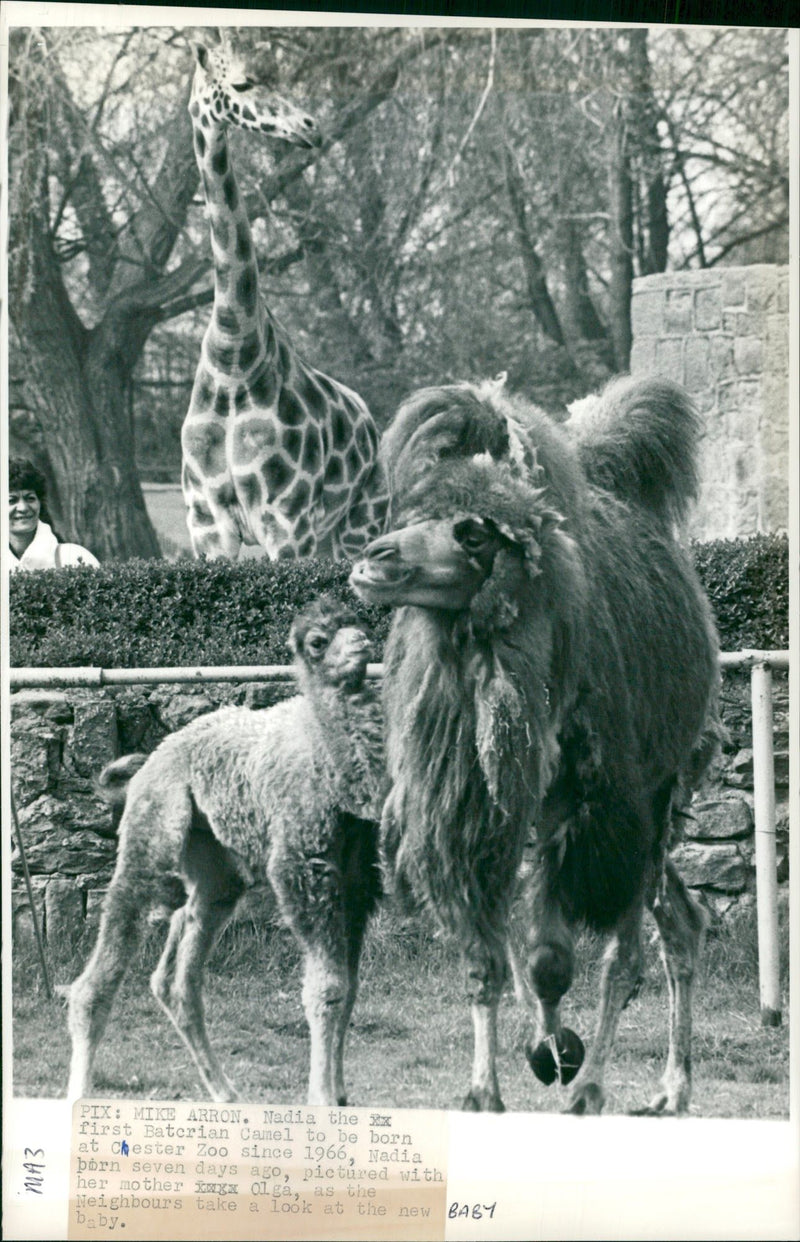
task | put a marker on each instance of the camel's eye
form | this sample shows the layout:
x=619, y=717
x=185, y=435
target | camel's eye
x=243, y=86
x=473, y=537
x=316, y=643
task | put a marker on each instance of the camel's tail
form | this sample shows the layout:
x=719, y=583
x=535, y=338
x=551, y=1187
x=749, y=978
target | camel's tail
x=112, y=783
x=638, y=439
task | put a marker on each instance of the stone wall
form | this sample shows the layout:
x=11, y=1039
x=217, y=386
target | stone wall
x=60, y=740
x=724, y=334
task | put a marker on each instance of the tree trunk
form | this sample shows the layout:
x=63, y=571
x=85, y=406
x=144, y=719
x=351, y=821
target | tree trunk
x=78, y=380
x=538, y=294
x=620, y=203
x=646, y=117
x=579, y=310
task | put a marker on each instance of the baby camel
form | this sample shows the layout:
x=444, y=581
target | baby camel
x=289, y=794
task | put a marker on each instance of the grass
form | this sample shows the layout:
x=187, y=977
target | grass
x=410, y=1043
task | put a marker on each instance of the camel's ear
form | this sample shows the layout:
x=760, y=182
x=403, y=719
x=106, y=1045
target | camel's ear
x=524, y=538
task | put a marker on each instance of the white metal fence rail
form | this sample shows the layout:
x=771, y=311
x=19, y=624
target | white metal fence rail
x=760, y=663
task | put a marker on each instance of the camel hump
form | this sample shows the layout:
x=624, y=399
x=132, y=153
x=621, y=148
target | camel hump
x=639, y=439
x=112, y=783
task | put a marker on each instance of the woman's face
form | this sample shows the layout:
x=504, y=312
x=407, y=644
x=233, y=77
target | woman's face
x=24, y=507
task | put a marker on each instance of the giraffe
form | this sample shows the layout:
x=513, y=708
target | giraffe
x=275, y=453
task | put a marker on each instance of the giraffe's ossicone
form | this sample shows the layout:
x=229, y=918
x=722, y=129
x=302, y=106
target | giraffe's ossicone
x=274, y=452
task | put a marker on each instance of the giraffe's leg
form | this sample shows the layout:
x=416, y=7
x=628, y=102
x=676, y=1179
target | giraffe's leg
x=310, y=892
x=213, y=533
x=214, y=889
x=213, y=528
x=681, y=925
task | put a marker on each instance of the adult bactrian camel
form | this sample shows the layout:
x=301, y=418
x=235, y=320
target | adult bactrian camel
x=549, y=671
x=290, y=794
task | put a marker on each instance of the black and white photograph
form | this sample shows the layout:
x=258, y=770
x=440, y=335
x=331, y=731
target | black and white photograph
x=399, y=435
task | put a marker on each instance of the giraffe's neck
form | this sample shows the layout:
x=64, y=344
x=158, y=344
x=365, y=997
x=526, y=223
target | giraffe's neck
x=237, y=313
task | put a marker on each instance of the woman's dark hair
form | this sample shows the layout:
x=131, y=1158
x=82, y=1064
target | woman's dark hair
x=23, y=476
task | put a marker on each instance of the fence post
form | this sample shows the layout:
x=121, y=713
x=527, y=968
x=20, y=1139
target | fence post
x=766, y=857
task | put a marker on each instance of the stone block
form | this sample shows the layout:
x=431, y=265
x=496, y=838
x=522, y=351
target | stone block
x=718, y=867
x=138, y=725
x=721, y=365
x=647, y=310
x=728, y=396
x=180, y=709
x=708, y=309
x=748, y=355
x=669, y=358
x=94, y=741
x=35, y=761
x=63, y=914
x=696, y=363
x=94, y=906
x=720, y=819
x=22, y=929
x=678, y=311
x=705, y=399
x=782, y=301
x=734, y=287
x=741, y=323
x=776, y=348
x=39, y=702
x=59, y=839
x=643, y=356
x=762, y=288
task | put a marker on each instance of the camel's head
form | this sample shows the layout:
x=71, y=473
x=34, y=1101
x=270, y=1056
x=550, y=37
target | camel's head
x=434, y=563
x=331, y=644
x=482, y=488
x=237, y=88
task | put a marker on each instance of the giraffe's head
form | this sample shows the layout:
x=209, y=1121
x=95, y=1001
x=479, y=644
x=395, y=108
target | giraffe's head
x=227, y=90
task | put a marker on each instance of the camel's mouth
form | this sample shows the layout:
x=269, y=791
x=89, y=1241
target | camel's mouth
x=425, y=586
x=374, y=577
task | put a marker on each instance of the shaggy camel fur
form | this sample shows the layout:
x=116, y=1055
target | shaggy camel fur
x=291, y=794
x=549, y=673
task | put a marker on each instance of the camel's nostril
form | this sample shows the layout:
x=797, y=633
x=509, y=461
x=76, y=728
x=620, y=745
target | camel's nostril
x=380, y=551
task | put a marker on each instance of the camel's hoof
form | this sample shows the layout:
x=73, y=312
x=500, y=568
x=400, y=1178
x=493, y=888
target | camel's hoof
x=557, y=1057
x=588, y=1100
x=661, y=1106
x=483, y=1102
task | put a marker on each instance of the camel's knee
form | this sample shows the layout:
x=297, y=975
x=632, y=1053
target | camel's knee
x=325, y=988
x=485, y=976
x=551, y=967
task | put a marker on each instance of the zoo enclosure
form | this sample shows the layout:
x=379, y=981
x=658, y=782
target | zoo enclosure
x=760, y=663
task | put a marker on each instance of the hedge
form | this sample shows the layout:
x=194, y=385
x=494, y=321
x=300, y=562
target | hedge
x=138, y=614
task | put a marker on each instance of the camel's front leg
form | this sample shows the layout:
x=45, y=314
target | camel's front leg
x=362, y=888
x=543, y=970
x=621, y=973
x=485, y=975
x=310, y=892
x=681, y=925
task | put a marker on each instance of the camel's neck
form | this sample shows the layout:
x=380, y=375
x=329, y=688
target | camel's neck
x=351, y=730
x=237, y=314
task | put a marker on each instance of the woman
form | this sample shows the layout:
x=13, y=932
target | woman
x=32, y=541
